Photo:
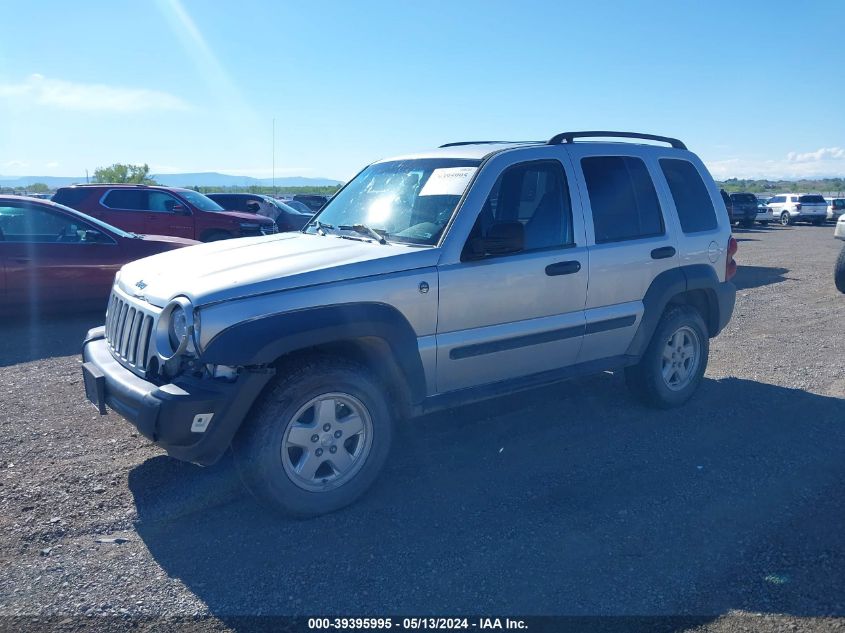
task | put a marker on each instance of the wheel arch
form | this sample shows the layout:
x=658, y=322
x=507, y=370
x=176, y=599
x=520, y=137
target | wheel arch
x=696, y=285
x=375, y=334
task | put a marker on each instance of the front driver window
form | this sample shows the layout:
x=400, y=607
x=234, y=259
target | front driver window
x=536, y=195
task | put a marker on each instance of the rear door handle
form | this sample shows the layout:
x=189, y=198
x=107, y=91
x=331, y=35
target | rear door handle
x=563, y=268
x=663, y=252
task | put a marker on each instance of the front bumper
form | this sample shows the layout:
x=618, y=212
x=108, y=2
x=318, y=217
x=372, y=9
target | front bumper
x=166, y=414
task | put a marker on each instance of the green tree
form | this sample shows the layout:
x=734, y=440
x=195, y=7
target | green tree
x=38, y=187
x=120, y=173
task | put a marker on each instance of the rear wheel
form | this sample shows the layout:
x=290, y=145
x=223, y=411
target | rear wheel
x=818, y=222
x=674, y=361
x=318, y=438
x=839, y=271
x=785, y=219
x=747, y=224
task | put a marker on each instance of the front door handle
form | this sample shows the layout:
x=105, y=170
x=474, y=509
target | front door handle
x=663, y=252
x=563, y=268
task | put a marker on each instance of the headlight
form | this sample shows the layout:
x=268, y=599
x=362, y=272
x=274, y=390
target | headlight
x=176, y=329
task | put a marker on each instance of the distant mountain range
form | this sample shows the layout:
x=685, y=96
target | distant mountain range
x=203, y=179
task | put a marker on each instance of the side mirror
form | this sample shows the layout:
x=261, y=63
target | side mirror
x=92, y=237
x=180, y=209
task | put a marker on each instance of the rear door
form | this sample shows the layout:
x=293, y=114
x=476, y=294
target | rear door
x=630, y=242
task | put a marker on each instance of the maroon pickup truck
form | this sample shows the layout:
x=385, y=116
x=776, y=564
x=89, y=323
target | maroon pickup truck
x=163, y=211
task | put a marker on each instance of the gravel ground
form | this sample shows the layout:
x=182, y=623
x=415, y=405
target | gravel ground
x=565, y=500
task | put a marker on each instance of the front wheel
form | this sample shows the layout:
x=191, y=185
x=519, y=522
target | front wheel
x=785, y=219
x=674, y=362
x=318, y=438
x=818, y=222
x=839, y=271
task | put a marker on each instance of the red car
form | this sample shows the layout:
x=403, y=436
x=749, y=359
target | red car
x=53, y=256
x=163, y=211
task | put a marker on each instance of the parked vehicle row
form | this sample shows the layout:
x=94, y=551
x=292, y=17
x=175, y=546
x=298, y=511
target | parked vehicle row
x=157, y=210
x=744, y=209
x=427, y=282
x=285, y=216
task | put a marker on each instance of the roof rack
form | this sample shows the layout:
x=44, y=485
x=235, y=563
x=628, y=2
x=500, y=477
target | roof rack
x=567, y=137
x=458, y=143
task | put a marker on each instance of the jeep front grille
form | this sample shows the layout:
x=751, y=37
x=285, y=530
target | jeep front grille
x=129, y=331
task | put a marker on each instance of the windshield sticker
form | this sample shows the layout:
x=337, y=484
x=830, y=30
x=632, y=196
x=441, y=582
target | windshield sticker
x=448, y=181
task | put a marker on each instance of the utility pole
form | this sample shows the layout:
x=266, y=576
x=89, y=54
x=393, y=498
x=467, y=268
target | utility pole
x=86, y=176
x=274, y=156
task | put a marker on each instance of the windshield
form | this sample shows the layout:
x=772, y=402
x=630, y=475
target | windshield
x=286, y=207
x=204, y=203
x=410, y=200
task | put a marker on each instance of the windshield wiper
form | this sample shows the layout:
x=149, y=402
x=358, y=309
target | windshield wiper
x=321, y=227
x=363, y=229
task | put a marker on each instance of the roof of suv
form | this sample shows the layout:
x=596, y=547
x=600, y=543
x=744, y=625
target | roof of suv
x=123, y=185
x=478, y=150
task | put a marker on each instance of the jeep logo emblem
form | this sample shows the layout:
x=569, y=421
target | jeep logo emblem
x=140, y=284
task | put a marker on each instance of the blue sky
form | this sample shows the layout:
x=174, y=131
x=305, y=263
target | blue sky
x=755, y=88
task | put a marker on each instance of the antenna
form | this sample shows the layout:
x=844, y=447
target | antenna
x=274, y=156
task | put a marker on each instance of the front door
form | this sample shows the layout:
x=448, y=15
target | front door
x=508, y=315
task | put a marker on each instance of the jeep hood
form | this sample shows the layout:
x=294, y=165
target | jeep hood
x=229, y=269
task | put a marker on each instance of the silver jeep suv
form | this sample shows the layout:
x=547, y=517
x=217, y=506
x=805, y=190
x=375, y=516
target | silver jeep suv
x=430, y=280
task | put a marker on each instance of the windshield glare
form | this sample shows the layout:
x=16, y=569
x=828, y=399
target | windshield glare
x=200, y=201
x=410, y=200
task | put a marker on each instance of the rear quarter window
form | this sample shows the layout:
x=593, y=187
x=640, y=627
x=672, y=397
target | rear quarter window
x=70, y=197
x=692, y=201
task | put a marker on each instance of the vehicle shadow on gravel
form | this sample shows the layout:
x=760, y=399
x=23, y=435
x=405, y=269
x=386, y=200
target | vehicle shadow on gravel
x=35, y=337
x=564, y=500
x=756, y=276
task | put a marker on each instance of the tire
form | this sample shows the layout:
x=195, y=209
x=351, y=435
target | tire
x=748, y=224
x=839, y=271
x=818, y=222
x=785, y=219
x=267, y=448
x=216, y=236
x=764, y=222
x=646, y=380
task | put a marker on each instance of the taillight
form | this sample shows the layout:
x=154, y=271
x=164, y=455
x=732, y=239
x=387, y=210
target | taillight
x=730, y=263
x=798, y=207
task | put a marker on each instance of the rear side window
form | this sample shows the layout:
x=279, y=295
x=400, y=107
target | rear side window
x=695, y=208
x=126, y=199
x=812, y=199
x=622, y=198
x=70, y=197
